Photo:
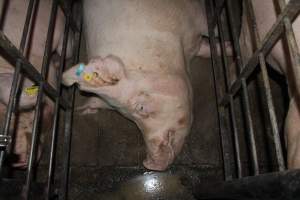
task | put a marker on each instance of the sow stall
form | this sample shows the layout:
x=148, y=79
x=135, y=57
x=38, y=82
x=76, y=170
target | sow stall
x=277, y=183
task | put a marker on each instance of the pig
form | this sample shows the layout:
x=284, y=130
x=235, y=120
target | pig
x=139, y=53
x=12, y=22
x=266, y=13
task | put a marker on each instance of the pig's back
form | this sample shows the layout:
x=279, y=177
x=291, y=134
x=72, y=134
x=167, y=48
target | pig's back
x=145, y=34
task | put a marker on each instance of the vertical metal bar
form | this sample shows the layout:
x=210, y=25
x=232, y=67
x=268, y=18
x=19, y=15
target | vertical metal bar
x=219, y=93
x=56, y=112
x=231, y=102
x=38, y=106
x=236, y=139
x=13, y=97
x=292, y=44
x=267, y=89
x=245, y=96
x=67, y=146
x=69, y=114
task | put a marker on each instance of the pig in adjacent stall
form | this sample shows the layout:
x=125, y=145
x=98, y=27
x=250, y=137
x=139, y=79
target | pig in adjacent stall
x=266, y=14
x=12, y=21
x=139, y=54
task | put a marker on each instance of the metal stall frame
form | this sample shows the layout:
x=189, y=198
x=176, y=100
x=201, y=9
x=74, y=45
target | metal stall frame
x=283, y=184
x=65, y=103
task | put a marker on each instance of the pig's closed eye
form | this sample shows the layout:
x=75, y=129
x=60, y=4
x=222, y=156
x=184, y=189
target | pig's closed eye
x=142, y=110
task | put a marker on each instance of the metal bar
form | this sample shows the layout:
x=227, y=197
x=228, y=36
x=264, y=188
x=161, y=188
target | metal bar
x=67, y=10
x=293, y=46
x=217, y=74
x=291, y=11
x=267, y=89
x=245, y=96
x=67, y=147
x=275, y=186
x=69, y=115
x=38, y=107
x=236, y=139
x=218, y=10
x=231, y=105
x=13, y=97
x=56, y=113
x=29, y=69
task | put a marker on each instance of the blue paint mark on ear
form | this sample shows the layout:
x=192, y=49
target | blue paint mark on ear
x=80, y=69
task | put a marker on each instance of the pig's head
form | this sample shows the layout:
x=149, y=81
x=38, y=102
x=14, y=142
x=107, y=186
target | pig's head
x=160, y=104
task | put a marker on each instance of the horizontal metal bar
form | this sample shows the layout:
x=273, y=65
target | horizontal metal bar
x=29, y=69
x=291, y=11
x=275, y=186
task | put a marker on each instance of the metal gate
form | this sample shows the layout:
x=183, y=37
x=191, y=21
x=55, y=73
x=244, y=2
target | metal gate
x=73, y=22
x=281, y=184
x=257, y=186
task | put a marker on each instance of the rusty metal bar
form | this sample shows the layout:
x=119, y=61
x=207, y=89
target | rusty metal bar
x=56, y=113
x=292, y=44
x=291, y=12
x=217, y=74
x=267, y=89
x=69, y=113
x=231, y=105
x=218, y=10
x=13, y=97
x=66, y=7
x=38, y=107
x=245, y=96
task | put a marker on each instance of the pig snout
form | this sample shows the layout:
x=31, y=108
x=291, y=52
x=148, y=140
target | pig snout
x=160, y=153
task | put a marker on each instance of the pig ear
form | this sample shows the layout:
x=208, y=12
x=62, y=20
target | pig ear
x=110, y=70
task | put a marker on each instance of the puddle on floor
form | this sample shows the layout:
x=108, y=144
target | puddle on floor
x=151, y=186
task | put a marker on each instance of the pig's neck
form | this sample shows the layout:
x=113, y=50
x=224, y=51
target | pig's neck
x=158, y=52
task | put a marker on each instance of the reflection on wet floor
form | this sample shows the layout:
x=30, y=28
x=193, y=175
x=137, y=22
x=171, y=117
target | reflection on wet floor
x=128, y=183
x=151, y=185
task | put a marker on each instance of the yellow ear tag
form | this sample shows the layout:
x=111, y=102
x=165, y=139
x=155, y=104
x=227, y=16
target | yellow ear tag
x=87, y=77
x=31, y=91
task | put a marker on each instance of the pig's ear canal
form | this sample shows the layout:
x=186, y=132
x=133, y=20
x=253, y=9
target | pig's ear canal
x=107, y=71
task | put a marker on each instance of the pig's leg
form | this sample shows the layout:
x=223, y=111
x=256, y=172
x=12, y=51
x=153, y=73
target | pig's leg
x=292, y=131
x=22, y=143
x=92, y=105
x=205, y=51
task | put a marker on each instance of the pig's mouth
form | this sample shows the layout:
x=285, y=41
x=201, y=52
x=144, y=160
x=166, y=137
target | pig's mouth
x=159, y=162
